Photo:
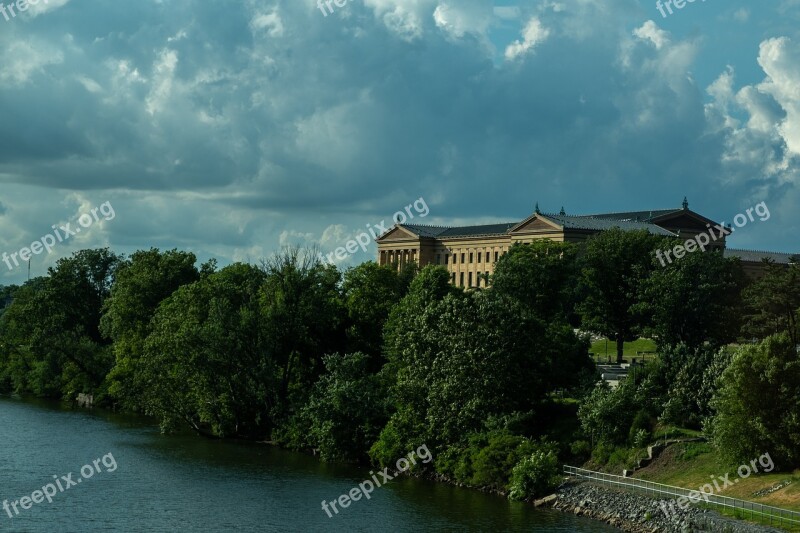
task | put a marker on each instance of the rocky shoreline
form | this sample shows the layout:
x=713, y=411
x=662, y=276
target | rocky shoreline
x=640, y=514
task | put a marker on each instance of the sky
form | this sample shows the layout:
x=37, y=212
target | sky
x=234, y=128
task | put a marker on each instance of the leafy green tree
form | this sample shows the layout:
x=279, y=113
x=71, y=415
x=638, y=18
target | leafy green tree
x=494, y=357
x=6, y=296
x=409, y=345
x=410, y=348
x=142, y=283
x=690, y=375
x=347, y=409
x=774, y=302
x=541, y=275
x=460, y=359
x=695, y=300
x=758, y=404
x=305, y=319
x=52, y=327
x=14, y=354
x=370, y=292
x=614, y=267
x=206, y=362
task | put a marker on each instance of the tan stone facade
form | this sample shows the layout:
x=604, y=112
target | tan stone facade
x=470, y=253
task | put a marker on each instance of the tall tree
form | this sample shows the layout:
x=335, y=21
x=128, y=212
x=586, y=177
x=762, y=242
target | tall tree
x=541, y=275
x=207, y=362
x=774, y=302
x=142, y=283
x=54, y=324
x=614, y=266
x=305, y=318
x=460, y=359
x=694, y=300
x=370, y=291
x=758, y=404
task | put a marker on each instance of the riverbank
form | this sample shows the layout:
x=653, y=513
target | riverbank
x=180, y=482
x=639, y=514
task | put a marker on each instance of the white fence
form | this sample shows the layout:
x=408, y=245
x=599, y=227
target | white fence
x=764, y=514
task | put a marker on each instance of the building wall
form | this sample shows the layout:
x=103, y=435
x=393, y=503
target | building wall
x=467, y=259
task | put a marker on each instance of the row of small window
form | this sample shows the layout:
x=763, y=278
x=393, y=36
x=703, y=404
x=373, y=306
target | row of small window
x=483, y=257
x=478, y=279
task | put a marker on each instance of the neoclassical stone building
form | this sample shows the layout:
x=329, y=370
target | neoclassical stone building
x=469, y=253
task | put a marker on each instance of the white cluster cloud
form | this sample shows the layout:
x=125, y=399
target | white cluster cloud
x=764, y=144
x=23, y=59
x=534, y=34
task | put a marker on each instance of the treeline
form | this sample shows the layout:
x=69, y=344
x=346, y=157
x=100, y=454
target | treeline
x=369, y=363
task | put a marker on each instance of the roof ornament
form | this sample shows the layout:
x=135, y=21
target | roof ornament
x=685, y=203
x=562, y=213
x=537, y=209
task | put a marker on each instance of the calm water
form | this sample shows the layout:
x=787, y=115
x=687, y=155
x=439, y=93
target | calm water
x=186, y=483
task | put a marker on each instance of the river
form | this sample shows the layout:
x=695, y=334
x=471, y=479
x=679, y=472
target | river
x=139, y=480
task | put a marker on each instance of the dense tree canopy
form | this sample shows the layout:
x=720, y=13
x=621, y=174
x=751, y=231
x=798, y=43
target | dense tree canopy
x=142, y=282
x=758, y=404
x=693, y=301
x=50, y=332
x=376, y=361
x=540, y=275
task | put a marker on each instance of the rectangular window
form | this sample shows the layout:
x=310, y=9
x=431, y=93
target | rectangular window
x=446, y=258
x=453, y=278
x=470, y=257
x=486, y=279
x=462, y=279
x=470, y=279
x=496, y=256
x=463, y=257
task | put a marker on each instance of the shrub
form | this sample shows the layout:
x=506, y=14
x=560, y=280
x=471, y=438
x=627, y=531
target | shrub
x=492, y=464
x=402, y=433
x=642, y=423
x=487, y=460
x=640, y=438
x=602, y=452
x=581, y=449
x=535, y=475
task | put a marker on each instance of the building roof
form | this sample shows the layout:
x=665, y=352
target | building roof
x=464, y=231
x=595, y=223
x=641, y=216
x=627, y=220
x=755, y=256
x=425, y=231
x=476, y=231
x=567, y=221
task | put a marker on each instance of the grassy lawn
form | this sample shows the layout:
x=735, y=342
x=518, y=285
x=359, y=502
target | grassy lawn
x=692, y=465
x=629, y=349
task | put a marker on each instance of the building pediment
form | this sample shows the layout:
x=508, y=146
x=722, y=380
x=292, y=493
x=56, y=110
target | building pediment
x=688, y=220
x=536, y=222
x=398, y=233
